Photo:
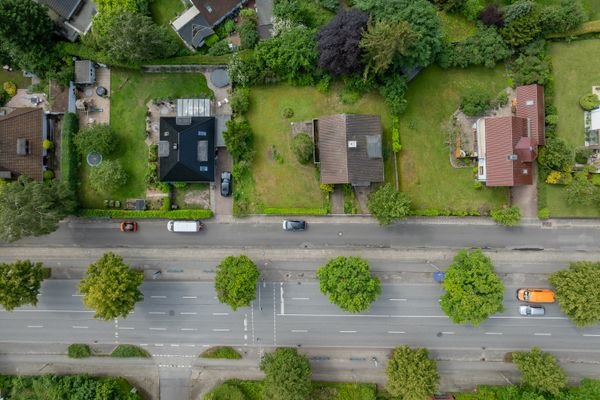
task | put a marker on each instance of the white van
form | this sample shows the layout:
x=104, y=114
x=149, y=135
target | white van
x=184, y=226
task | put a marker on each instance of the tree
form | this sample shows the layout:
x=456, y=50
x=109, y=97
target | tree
x=25, y=25
x=30, y=208
x=529, y=69
x=131, y=38
x=238, y=138
x=338, y=42
x=411, y=374
x=581, y=190
x=20, y=283
x=475, y=103
x=383, y=41
x=473, y=290
x=98, y=138
x=107, y=176
x=521, y=31
x=540, y=371
x=486, y=47
x=394, y=92
x=287, y=375
x=348, y=283
x=302, y=147
x=562, y=18
x=518, y=9
x=491, y=15
x=111, y=287
x=248, y=33
x=387, y=205
x=240, y=100
x=577, y=291
x=508, y=216
x=555, y=155
x=235, y=282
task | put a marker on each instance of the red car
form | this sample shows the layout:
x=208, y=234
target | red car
x=128, y=226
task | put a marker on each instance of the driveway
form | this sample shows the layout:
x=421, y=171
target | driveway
x=525, y=197
x=223, y=205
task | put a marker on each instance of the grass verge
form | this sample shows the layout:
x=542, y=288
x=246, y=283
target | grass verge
x=78, y=350
x=175, y=214
x=129, y=350
x=221, y=352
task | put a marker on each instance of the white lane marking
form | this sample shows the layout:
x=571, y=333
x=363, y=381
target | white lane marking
x=158, y=297
x=493, y=333
x=448, y=333
x=189, y=329
x=299, y=331
x=159, y=345
x=397, y=299
x=126, y=328
x=300, y=298
x=347, y=331
x=76, y=295
x=79, y=327
x=35, y=326
x=143, y=344
x=400, y=332
x=221, y=330
x=158, y=329
x=189, y=297
x=157, y=312
x=187, y=313
x=281, y=298
x=542, y=334
x=590, y=335
x=220, y=313
x=189, y=345
x=174, y=345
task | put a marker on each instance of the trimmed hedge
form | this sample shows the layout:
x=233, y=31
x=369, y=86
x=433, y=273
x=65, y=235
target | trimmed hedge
x=432, y=212
x=86, y=53
x=68, y=152
x=176, y=214
x=588, y=27
x=295, y=211
x=202, y=59
x=129, y=350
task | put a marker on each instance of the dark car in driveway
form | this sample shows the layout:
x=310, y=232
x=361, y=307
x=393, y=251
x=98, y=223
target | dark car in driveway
x=294, y=225
x=226, y=183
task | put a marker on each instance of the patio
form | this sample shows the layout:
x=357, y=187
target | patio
x=92, y=107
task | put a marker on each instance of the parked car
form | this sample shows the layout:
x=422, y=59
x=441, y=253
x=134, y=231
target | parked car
x=535, y=295
x=294, y=225
x=531, y=310
x=128, y=226
x=226, y=183
x=184, y=226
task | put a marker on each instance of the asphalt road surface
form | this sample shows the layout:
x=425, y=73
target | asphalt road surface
x=321, y=234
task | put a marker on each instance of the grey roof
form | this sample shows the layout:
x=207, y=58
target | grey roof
x=219, y=78
x=350, y=148
x=85, y=73
x=195, y=31
x=64, y=8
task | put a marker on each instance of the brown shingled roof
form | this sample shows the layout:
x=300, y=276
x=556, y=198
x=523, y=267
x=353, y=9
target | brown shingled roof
x=214, y=11
x=22, y=123
x=530, y=104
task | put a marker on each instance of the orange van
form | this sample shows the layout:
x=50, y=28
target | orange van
x=535, y=295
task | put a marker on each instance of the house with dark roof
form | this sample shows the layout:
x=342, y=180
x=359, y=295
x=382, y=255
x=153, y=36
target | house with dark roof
x=197, y=22
x=507, y=146
x=186, y=149
x=22, y=132
x=71, y=17
x=348, y=148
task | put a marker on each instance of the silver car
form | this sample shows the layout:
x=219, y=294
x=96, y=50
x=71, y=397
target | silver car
x=531, y=310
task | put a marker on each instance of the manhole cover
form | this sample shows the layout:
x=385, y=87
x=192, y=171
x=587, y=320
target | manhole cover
x=94, y=159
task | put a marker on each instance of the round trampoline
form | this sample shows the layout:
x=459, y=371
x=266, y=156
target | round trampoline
x=219, y=78
x=94, y=159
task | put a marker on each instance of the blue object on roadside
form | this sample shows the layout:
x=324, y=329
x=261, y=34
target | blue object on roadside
x=439, y=276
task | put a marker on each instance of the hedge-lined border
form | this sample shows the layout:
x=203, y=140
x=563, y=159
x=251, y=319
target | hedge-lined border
x=68, y=153
x=588, y=27
x=175, y=214
x=294, y=211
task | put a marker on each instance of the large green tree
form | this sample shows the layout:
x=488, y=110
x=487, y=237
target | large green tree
x=111, y=287
x=473, y=290
x=540, y=371
x=581, y=190
x=555, y=155
x=30, y=208
x=107, y=176
x=99, y=138
x=235, y=282
x=411, y=374
x=348, y=283
x=578, y=291
x=383, y=41
x=20, y=283
x=386, y=204
x=287, y=375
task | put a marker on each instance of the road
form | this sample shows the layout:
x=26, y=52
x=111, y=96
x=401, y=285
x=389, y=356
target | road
x=321, y=234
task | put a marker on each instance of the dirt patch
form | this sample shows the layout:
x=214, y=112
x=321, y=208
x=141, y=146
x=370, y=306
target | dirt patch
x=198, y=198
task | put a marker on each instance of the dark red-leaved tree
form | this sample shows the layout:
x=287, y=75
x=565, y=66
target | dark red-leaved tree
x=491, y=15
x=338, y=42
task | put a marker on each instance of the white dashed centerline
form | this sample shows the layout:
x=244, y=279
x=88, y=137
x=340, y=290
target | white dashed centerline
x=77, y=295
x=347, y=331
x=300, y=298
x=189, y=329
x=220, y=313
x=221, y=330
x=590, y=335
x=158, y=329
x=398, y=299
x=190, y=297
x=126, y=328
x=79, y=327
x=187, y=313
x=398, y=332
x=448, y=333
x=158, y=297
x=35, y=326
x=542, y=334
x=299, y=331
x=493, y=333
x=157, y=312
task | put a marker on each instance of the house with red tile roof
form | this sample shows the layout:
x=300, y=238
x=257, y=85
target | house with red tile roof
x=507, y=146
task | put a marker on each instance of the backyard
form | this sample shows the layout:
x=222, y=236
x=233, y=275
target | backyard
x=165, y=10
x=424, y=166
x=286, y=183
x=17, y=77
x=131, y=90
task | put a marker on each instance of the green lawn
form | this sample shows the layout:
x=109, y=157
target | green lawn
x=424, y=167
x=593, y=8
x=457, y=27
x=131, y=90
x=291, y=184
x=163, y=11
x=16, y=77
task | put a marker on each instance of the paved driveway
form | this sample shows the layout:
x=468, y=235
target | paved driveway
x=223, y=205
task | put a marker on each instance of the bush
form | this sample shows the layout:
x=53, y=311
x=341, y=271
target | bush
x=10, y=88
x=48, y=175
x=477, y=185
x=529, y=69
x=521, y=31
x=555, y=155
x=326, y=187
x=501, y=100
x=486, y=47
x=596, y=179
x=166, y=205
x=544, y=213
x=226, y=391
x=589, y=101
x=47, y=144
x=287, y=112
x=507, y=216
x=396, y=146
x=582, y=155
x=248, y=34
x=491, y=15
x=68, y=154
x=77, y=350
x=130, y=214
x=220, y=48
x=221, y=352
x=551, y=120
x=294, y=211
x=98, y=138
x=153, y=153
x=302, y=147
x=129, y=350
x=240, y=100
x=4, y=97
x=475, y=103
x=107, y=176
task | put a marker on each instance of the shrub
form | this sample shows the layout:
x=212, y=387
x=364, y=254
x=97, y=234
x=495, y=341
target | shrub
x=10, y=88
x=180, y=185
x=95, y=138
x=211, y=40
x=555, y=155
x=287, y=112
x=521, y=31
x=501, y=99
x=553, y=178
x=4, y=97
x=529, y=69
x=582, y=155
x=248, y=34
x=220, y=48
x=166, y=205
x=48, y=174
x=544, y=213
x=589, y=101
x=47, y=144
x=129, y=350
x=107, y=176
x=475, y=103
x=324, y=84
x=477, y=185
x=518, y=9
x=129, y=214
x=226, y=391
x=396, y=146
x=551, y=120
x=68, y=154
x=325, y=187
x=486, y=47
x=153, y=153
x=507, y=216
x=394, y=92
x=302, y=147
x=491, y=15
x=221, y=352
x=596, y=179
x=77, y=350
x=240, y=100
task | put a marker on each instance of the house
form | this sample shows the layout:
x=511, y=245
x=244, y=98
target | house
x=186, y=149
x=197, y=22
x=71, y=17
x=507, y=146
x=348, y=148
x=22, y=131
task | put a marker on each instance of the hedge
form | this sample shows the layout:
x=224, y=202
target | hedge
x=68, y=153
x=432, y=212
x=295, y=211
x=79, y=350
x=200, y=59
x=86, y=53
x=129, y=350
x=588, y=27
x=176, y=214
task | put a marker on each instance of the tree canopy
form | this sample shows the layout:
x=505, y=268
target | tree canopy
x=235, y=282
x=287, y=375
x=582, y=191
x=473, y=290
x=99, y=138
x=107, y=176
x=387, y=205
x=555, y=155
x=540, y=371
x=338, y=42
x=348, y=283
x=111, y=287
x=578, y=291
x=20, y=283
x=383, y=41
x=411, y=374
x=30, y=208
